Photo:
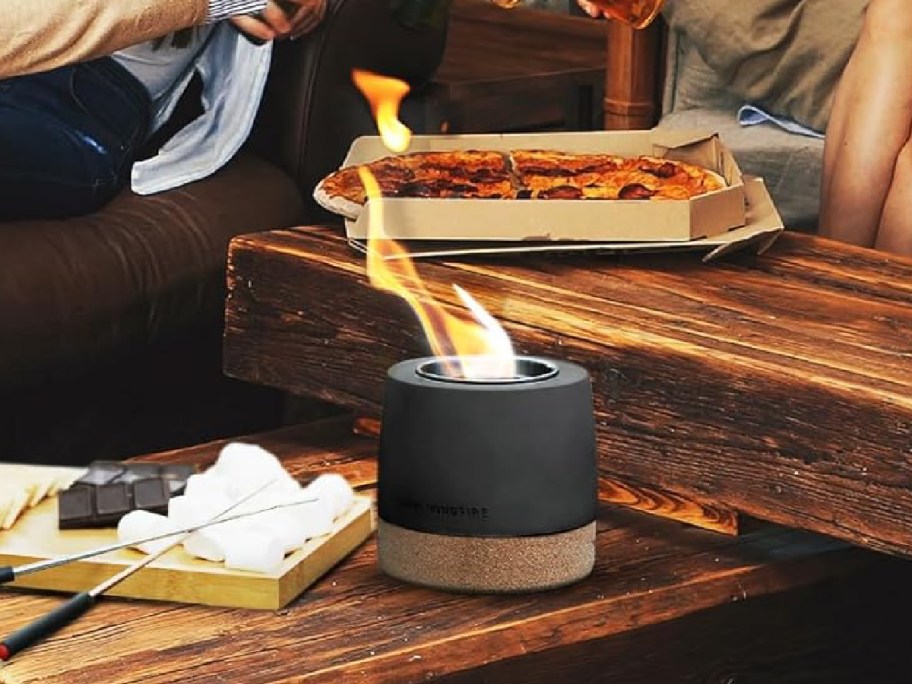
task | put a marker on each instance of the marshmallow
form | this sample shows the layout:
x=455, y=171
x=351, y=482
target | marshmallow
x=206, y=484
x=295, y=525
x=209, y=543
x=335, y=489
x=138, y=525
x=188, y=511
x=254, y=551
x=247, y=467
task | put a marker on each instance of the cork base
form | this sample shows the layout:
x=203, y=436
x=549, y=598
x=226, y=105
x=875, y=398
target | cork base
x=486, y=564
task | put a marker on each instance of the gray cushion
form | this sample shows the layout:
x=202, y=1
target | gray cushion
x=692, y=83
x=789, y=164
x=697, y=97
x=784, y=55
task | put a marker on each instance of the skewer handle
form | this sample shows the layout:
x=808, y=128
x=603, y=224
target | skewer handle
x=43, y=627
x=7, y=574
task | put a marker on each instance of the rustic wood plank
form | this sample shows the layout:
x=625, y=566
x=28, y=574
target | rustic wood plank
x=357, y=625
x=635, y=59
x=515, y=70
x=486, y=43
x=803, y=639
x=780, y=386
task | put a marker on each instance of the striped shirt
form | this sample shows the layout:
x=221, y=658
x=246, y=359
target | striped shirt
x=222, y=9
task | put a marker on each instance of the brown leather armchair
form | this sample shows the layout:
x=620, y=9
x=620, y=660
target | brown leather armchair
x=110, y=324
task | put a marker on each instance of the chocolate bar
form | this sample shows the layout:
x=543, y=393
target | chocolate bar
x=111, y=489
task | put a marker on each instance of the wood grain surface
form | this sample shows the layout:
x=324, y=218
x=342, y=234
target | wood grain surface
x=658, y=590
x=516, y=70
x=635, y=61
x=779, y=386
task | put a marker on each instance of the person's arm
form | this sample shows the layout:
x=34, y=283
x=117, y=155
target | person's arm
x=43, y=34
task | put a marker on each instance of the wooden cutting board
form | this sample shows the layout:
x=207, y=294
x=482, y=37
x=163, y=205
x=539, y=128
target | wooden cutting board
x=176, y=576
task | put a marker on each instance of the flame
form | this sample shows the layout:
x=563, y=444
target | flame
x=385, y=95
x=473, y=345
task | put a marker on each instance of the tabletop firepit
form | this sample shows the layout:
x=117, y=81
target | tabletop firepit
x=486, y=483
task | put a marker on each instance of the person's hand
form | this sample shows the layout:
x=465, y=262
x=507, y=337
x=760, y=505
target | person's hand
x=282, y=19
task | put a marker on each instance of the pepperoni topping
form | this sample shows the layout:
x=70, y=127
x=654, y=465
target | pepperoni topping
x=666, y=170
x=635, y=191
x=562, y=192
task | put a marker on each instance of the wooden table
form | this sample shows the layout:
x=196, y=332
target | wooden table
x=666, y=603
x=516, y=70
x=779, y=386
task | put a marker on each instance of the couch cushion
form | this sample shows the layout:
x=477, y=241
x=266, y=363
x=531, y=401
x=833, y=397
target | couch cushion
x=790, y=164
x=691, y=83
x=784, y=55
x=76, y=291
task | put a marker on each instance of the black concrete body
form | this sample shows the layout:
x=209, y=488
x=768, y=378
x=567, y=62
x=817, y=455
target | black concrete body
x=495, y=459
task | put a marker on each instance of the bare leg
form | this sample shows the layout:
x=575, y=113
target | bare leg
x=895, y=233
x=870, y=124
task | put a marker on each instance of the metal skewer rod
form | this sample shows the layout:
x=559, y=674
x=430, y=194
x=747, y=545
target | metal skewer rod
x=10, y=573
x=71, y=609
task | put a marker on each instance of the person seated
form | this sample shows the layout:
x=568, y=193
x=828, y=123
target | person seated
x=70, y=137
x=44, y=34
x=840, y=67
x=867, y=162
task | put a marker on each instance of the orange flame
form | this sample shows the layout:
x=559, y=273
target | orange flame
x=385, y=96
x=472, y=343
x=467, y=343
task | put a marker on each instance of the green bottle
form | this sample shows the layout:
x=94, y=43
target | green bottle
x=423, y=15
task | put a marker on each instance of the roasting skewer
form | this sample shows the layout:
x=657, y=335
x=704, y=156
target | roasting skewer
x=71, y=609
x=8, y=573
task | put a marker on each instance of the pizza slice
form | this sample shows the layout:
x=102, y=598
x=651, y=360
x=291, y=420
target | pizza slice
x=458, y=174
x=548, y=174
x=661, y=178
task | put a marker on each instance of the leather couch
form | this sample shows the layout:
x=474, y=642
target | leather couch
x=110, y=324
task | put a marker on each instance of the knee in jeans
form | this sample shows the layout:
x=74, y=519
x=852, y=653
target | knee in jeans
x=890, y=21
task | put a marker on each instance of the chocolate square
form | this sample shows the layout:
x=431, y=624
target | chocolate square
x=151, y=495
x=110, y=489
x=176, y=476
x=102, y=472
x=112, y=502
x=76, y=507
x=139, y=471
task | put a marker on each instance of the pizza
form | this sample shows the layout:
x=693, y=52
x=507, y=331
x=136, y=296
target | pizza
x=518, y=174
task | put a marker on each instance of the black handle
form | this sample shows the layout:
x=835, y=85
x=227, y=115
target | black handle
x=7, y=574
x=43, y=627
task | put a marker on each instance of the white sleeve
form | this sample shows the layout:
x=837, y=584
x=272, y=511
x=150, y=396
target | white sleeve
x=233, y=71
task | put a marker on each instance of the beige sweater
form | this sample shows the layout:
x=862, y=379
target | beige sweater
x=36, y=35
x=785, y=55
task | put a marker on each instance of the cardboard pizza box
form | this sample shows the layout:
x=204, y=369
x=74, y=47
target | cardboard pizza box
x=498, y=220
x=763, y=225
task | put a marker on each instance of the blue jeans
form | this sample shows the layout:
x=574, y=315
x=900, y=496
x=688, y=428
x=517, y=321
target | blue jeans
x=68, y=138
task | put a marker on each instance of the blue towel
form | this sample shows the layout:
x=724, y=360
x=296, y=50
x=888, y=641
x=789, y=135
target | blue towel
x=749, y=115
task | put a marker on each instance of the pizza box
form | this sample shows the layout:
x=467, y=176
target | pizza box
x=497, y=220
x=763, y=225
